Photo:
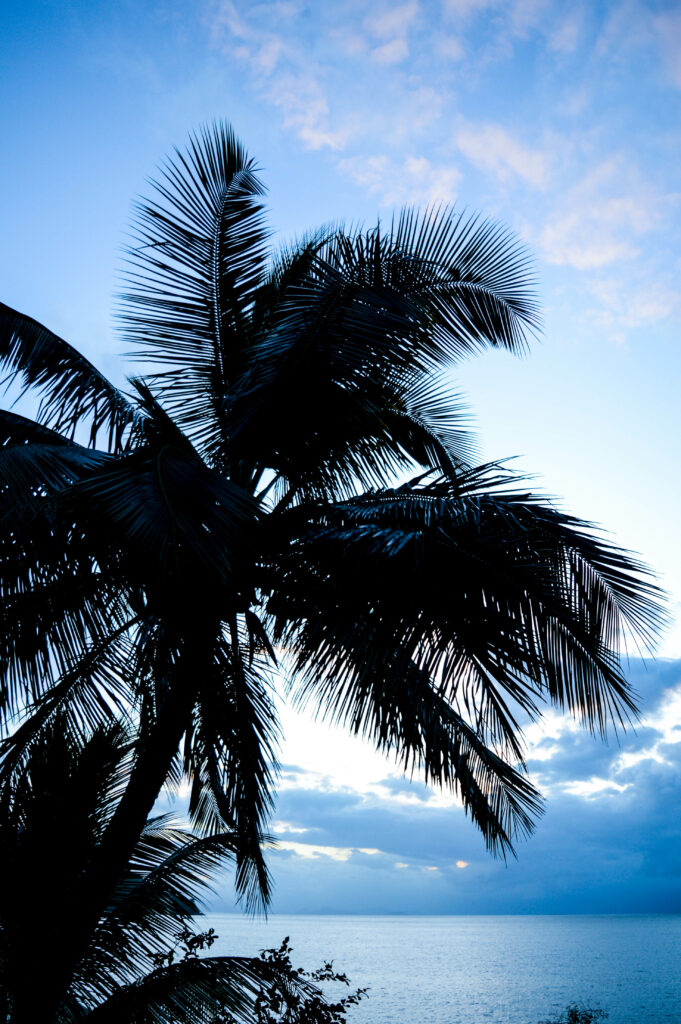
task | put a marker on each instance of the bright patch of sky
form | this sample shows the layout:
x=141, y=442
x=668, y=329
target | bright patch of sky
x=562, y=121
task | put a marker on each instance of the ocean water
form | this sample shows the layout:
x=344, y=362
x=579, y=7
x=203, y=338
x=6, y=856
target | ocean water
x=472, y=970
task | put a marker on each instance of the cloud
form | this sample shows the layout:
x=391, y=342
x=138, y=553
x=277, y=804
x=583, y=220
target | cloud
x=494, y=150
x=310, y=851
x=392, y=52
x=624, y=306
x=284, y=72
x=563, y=37
x=504, y=18
x=469, y=8
x=667, y=28
x=608, y=841
x=301, y=97
x=601, y=218
x=286, y=826
x=413, y=179
x=451, y=48
x=393, y=21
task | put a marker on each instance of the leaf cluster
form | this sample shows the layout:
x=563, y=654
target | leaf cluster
x=292, y=999
x=141, y=963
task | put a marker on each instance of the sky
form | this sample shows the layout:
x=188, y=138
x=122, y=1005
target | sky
x=561, y=121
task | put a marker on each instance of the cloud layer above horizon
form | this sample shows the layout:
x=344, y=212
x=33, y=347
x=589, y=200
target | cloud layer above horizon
x=361, y=838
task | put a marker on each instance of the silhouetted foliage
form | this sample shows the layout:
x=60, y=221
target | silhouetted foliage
x=292, y=995
x=160, y=543
x=141, y=963
x=577, y=1013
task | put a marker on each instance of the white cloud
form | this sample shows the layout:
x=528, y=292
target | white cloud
x=391, y=53
x=493, y=149
x=527, y=14
x=282, y=70
x=310, y=851
x=600, y=219
x=413, y=179
x=450, y=48
x=469, y=8
x=575, y=240
x=563, y=37
x=589, y=788
x=286, y=826
x=392, y=21
x=624, y=306
x=667, y=27
x=302, y=99
x=666, y=719
x=391, y=27
x=516, y=17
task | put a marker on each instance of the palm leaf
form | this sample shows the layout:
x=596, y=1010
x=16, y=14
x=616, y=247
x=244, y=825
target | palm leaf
x=195, y=265
x=95, y=693
x=502, y=601
x=231, y=759
x=189, y=992
x=72, y=390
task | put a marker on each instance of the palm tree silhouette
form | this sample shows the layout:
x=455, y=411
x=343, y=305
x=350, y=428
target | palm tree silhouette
x=57, y=798
x=290, y=487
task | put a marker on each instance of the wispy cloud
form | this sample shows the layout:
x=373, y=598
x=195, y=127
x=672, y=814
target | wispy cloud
x=310, y=851
x=263, y=37
x=564, y=35
x=392, y=21
x=600, y=219
x=414, y=179
x=493, y=149
x=667, y=28
x=624, y=306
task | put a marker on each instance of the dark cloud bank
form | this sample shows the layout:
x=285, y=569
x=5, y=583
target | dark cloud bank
x=609, y=841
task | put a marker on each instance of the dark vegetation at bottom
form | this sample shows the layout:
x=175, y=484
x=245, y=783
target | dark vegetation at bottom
x=577, y=1013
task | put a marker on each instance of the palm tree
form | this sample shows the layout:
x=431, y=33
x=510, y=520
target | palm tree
x=142, y=962
x=290, y=487
x=57, y=798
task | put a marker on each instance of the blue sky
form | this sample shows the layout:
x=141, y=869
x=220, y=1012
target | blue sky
x=562, y=121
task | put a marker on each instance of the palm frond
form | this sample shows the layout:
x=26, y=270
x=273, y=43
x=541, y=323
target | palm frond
x=195, y=264
x=71, y=389
x=161, y=506
x=481, y=286
x=405, y=714
x=167, y=877
x=502, y=601
x=189, y=992
x=93, y=694
x=370, y=317
x=51, y=622
x=231, y=759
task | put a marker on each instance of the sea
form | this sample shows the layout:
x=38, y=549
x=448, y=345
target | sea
x=482, y=970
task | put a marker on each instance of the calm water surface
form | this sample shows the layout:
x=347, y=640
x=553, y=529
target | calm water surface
x=471, y=970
